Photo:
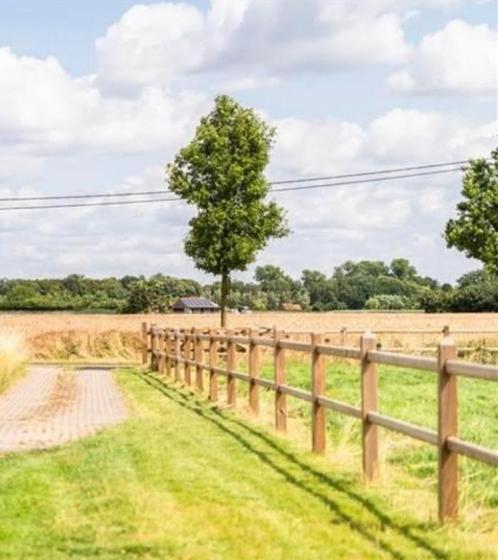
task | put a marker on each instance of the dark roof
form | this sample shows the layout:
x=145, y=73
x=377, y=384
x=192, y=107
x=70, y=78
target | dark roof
x=195, y=303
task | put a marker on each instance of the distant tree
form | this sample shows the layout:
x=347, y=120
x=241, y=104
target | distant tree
x=222, y=173
x=402, y=269
x=476, y=291
x=475, y=231
x=322, y=296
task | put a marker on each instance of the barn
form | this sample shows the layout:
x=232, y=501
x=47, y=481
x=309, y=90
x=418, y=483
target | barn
x=194, y=305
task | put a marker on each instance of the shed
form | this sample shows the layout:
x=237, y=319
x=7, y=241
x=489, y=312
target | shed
x=291, y=307
x=194, y=305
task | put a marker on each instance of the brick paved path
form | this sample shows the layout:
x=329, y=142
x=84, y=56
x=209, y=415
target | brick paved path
x=50, y=407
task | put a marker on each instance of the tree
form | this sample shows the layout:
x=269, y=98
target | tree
x=221, y=172
x=402, y=269
x=475, y=231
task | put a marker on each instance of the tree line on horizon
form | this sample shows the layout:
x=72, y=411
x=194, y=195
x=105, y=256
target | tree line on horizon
x=370, y=285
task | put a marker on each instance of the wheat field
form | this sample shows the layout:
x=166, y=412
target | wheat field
x=70, y=335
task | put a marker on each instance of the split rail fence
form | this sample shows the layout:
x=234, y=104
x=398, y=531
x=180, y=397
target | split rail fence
x=178, y=353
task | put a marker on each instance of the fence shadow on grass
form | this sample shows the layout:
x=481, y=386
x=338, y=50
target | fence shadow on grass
x=223, y=420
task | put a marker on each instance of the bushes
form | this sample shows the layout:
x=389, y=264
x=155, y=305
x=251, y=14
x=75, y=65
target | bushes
x=387, y=301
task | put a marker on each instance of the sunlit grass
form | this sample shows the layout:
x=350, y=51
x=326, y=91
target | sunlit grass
x=406, y=395
x=184, y=480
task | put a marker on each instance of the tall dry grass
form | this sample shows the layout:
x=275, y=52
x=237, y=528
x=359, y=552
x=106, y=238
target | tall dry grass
x=13, y=358
x=72, y=336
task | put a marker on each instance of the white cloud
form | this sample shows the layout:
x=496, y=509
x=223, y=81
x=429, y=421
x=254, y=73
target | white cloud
x=159, y=55
x=461, y=58
x=162, y=43
x=43, y=110
x=412, y=135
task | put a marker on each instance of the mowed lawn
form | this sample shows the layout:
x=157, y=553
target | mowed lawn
x=183, y=480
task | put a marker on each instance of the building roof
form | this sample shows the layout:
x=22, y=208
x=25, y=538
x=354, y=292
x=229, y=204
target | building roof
x=291, y=307
x=195, y=303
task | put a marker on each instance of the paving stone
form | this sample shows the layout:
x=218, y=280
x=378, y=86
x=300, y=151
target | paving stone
x=50, y=407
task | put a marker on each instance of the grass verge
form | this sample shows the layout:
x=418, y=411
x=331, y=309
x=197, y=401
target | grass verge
x=183, y=480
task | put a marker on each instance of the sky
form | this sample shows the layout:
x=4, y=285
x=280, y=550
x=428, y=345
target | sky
x=99, y=95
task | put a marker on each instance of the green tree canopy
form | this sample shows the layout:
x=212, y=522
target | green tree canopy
x=475, y=231
x=221, y=172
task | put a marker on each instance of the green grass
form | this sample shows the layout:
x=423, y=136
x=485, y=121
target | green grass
x=410, y=395
x=183, y=480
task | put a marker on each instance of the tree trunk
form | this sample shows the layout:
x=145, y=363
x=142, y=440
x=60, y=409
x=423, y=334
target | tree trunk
x=225, y=288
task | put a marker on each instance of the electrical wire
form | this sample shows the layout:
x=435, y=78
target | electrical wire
x=361, y=181
x=366, y=173
x=88, y=205
x=281, y=189
x=271, y=183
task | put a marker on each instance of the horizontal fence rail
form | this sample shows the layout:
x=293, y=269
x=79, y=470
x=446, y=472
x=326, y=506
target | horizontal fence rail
x=172, y=350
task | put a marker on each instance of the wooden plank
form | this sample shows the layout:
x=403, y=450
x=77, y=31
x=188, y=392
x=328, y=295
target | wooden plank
x=318, y=389
x=339, y=352
x=295, y=346
x=239, y=375
x=266, y=383
x=370, y=444
x=295, y=392
x=145, y=344
x=199, y=358
x=280, y=379
x=213, y=362
x=416, y=432
x=447, y=428
x=403, y=360
x=339, y=406
x=265, y=342
x=231, y=381
x=254, y=373
x=478, y=371
x=483, y=454
x=220, y=371
x=241, y=339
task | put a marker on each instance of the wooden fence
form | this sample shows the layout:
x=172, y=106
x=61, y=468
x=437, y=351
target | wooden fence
x=178, y=353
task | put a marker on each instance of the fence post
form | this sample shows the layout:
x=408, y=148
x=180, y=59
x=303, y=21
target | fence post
x=343, y=336
x=187, y=354
x=145, y=344
x=370, y=446
x=447, y=427
x=199, y=360
x=318, y=389
x=167, y=351
x=153, y=347
x=213, y=362
x=254, y=372
x=231, y=381
x=176, y=343
x=280, y=398
x=160, y=348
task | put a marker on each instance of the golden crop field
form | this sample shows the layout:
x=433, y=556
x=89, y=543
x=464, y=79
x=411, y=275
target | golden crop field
x=60, y=335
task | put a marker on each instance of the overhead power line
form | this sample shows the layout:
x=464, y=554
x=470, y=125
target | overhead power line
x=272, y=183
x=90, y=204
x=79, y=196
x=366, y=173
x=360, y=181
x=281, y=189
